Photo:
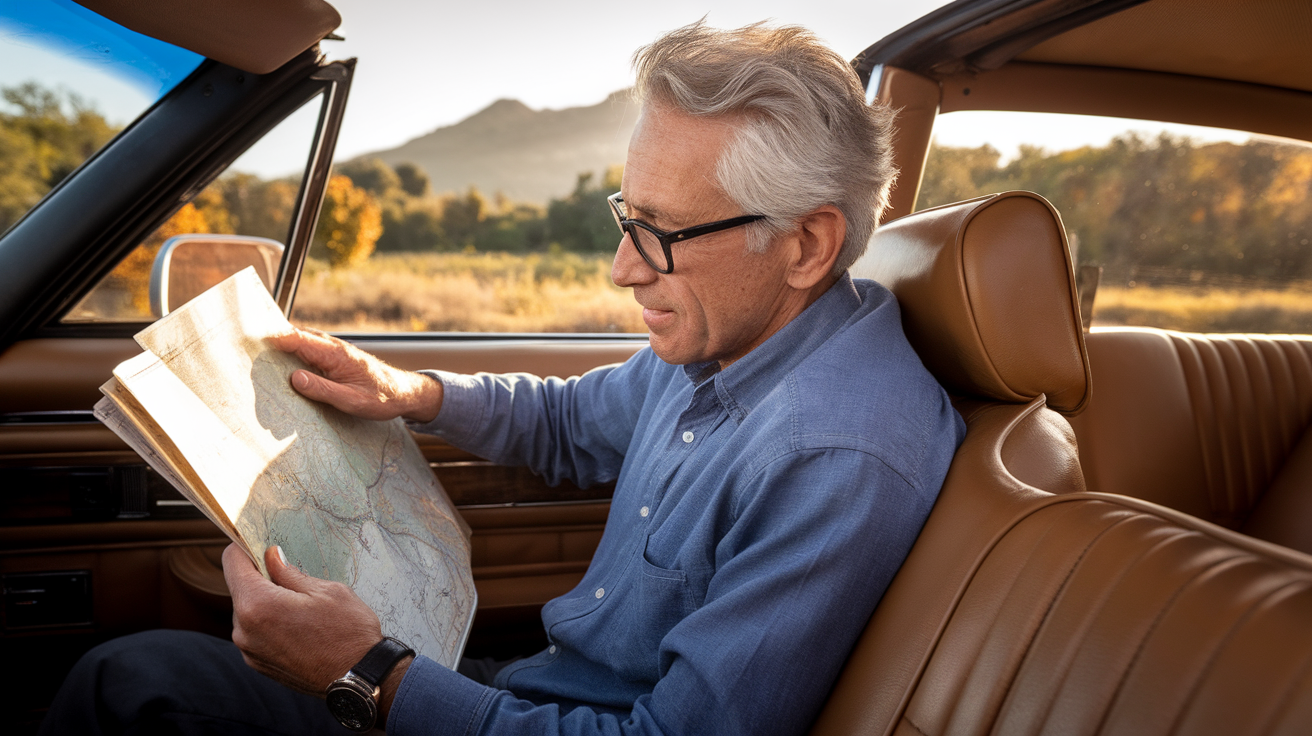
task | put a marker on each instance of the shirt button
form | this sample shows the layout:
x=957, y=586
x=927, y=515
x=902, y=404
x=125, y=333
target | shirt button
x=600, y=592
x=644, y=511
x=687, y=437
x=551, y=649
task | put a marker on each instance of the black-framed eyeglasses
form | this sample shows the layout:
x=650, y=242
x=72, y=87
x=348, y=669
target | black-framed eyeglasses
x=654, y=244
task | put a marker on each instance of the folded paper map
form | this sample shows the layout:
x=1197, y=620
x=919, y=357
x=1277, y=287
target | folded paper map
x=210, y=407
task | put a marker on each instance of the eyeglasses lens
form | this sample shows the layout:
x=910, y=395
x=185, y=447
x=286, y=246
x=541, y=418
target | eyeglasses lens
x=649, y=245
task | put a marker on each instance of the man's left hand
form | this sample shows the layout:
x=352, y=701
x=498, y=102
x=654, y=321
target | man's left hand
x=299, y=630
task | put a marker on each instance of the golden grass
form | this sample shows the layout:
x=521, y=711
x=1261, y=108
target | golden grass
x=568, y=292
x=480, y=292
x=1268, y=310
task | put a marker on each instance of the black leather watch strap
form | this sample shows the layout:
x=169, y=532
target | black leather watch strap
x=380, y=660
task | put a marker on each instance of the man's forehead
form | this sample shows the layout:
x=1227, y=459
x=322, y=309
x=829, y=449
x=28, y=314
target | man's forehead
x=670, y=171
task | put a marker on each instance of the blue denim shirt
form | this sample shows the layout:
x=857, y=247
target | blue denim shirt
x=760, y=512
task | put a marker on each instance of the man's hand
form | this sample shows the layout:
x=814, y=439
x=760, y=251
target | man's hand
x=299, y=630
x=357, y=382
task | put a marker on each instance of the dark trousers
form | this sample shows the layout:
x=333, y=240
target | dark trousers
x=182, y=682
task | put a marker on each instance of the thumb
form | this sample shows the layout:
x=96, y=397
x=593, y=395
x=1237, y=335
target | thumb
x=286, y=575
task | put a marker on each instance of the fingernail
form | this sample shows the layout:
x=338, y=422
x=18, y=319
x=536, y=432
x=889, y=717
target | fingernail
x=282, y=557
x=300, y=380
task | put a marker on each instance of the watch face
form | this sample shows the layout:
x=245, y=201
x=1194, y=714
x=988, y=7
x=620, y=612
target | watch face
x=351, y=709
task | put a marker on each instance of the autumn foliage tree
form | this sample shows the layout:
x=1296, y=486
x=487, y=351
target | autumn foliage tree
x=43, y=137
x=349, y=224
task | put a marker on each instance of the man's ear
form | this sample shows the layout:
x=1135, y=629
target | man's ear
x=819, y=237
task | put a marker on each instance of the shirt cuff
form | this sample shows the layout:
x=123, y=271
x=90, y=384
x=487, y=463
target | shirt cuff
x=434, y=701
x=462, y=406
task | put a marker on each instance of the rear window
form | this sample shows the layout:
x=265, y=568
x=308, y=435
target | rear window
x=1194, y=229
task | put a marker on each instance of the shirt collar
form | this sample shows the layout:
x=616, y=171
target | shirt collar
x=743, y=385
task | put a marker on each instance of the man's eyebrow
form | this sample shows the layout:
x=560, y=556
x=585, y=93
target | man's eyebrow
x=651, y=212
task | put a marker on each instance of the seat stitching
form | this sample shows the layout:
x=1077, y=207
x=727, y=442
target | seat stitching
x=1052, y=603
x=1161, y=613
x=1029, y=557
x=1283, y=705
x=1204, y=416
x=1233, y=445
x=1255, y=441
x=1221, y=645
x=913, y=725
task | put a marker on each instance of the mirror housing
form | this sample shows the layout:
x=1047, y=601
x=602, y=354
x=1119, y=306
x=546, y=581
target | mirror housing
x=187, y=265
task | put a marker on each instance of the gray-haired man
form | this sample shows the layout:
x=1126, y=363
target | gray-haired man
x=776, y=450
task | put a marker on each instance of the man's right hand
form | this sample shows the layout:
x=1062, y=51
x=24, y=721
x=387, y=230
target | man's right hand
x=357, y=382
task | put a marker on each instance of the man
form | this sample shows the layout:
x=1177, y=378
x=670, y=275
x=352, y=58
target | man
x=776, y=450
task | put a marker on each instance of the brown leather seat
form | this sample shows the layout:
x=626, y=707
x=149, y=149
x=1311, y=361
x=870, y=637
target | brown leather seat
x=1019, y=611
x=1212, y=425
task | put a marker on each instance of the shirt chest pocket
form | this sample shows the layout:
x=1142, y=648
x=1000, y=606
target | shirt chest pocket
x=661, y=599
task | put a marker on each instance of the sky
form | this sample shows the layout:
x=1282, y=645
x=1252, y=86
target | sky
x=428, y=64
x=425, y=64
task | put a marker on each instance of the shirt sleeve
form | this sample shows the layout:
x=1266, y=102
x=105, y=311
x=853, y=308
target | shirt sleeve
x=818, y=536
x=577, y=428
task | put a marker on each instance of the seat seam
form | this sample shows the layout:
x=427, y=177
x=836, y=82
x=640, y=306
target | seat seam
x=1190, y=356
x=1221, y=644
x=1047, y=612
x=1282, y=706
x=1052, y=603
x=1166, y=606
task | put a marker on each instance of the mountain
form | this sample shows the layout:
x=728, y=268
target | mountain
x=529, y=155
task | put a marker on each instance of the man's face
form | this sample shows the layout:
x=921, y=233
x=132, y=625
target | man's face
x=721, y=301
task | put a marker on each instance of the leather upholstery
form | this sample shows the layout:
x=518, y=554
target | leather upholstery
x=1028, y=606
x=1212, y=425
x=1022, y=612
x=988, y=298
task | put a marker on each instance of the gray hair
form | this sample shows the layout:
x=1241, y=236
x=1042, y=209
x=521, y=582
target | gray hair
x=807, y=139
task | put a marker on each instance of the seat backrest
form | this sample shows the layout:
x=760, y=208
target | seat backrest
x=1021, y=611
x=1212, y=425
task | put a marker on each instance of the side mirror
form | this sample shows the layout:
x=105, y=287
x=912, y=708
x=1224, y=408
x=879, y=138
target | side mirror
x=187, y=265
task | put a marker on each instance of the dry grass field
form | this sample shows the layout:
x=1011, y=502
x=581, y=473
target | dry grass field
x=1285, y=310
x=477, y=292
x=568, y=292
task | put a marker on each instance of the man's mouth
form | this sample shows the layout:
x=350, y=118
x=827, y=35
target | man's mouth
x=657, y=318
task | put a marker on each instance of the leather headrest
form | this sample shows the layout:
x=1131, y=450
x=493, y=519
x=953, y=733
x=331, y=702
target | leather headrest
x=988, y=298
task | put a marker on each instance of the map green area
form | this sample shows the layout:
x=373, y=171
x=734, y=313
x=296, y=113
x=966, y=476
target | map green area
x=210, y=407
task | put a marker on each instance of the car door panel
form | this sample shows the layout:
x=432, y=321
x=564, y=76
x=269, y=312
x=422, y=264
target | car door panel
x=530, y=542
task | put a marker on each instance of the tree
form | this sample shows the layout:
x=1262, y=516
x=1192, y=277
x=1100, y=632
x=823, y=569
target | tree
x=349, y=224
x=582, y=222
x=413, y=179
x=462, y=217
x=371, y=175
x=47, y=137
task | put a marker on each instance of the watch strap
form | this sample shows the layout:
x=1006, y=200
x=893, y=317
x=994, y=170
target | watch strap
x=380, y=660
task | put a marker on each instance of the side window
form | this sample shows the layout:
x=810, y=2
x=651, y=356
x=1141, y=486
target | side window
x=69, y=81
x=1195, y=229
x=256, y=196
x=496, y=224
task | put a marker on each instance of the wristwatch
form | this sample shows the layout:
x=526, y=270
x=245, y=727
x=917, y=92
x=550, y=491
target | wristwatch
x=353, y=697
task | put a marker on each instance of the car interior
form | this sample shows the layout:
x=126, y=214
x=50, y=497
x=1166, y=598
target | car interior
x=1122, y=543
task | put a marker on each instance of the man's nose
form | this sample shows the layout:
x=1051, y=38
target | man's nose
x=630, y=268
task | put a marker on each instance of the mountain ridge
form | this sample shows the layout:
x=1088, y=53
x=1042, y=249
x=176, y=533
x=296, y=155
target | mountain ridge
x=528, y=155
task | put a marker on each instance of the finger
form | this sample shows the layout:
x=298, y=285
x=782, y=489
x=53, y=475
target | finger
x=325, y=391
x=238, y=568
x=320, y=350
x=287, y=575
x=288, y=342
x=245, y=582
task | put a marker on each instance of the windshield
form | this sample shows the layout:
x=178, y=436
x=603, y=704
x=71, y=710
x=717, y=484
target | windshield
x=69, y=80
